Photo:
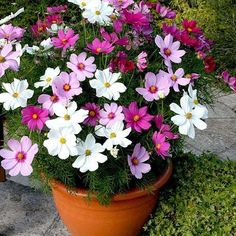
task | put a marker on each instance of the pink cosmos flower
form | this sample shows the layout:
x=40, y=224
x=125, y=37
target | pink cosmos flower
x=169, y=50
x=54, y=19
x=192, y=77
x=156, y=87
x=121, y=4
x=165, y=12
x=136, y=161
x=8, y=59
x=57, y=9
x=93, y=114
x=171, y=29
x=134, y=18
x=48, y=102
x=39, y=28
x=98, y=46
x=175, y=79
x=161, y=146
x=84, y=68
x=34, y=117
x=19, y=157
x=191, y=26
x=65, y=39
x=142, y=61
x=164, y=128
x=117, y=25
x=136, y=118
x=230, y=80
x=66, y=85
x=111, y=114
x=11, y=32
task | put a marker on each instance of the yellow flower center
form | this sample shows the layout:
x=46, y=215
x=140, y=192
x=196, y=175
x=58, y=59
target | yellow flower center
x=107, y=84
x=189, y=30
x=20, y=156
x=66, y=117
x=174, y=77
x=66, y=87
x=87, y=152
x=188, y=115
x=153, y=89
x=195, y=101
x=92, y=113
x=81, y=66
x=62, y=140
x=40, y=29
x=167, y=51
x=189, y=76
x=15, y=95
x=2, y=59
x=53, y=98
x=98, y=50
x=136, y=117
x=158, y=146
x=113, y=135
x=64, y=41
x=135, y=161
x=49, y=79
x=97, y=13
x=35, y=116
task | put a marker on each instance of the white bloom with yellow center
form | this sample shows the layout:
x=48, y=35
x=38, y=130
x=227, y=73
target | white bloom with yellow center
x=48, y=77
x=16, y=94
x=106, y=84
x=68, y=117
x=90, y=154
x=188, y=116
x=61, y=142
x=116, y=135
x=83, y=4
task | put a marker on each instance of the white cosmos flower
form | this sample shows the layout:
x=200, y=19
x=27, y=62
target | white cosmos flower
x=48, y=77
x=114, y=152
x=68, y=117
x=83, y=3
x=61, y=142
x=46, y=44
x=16, y=94
x=116, y=135
x=32, y=50
x=188, y=116
x=99, y=11
x=89, y=155
x=106, y=85
x=193, y=96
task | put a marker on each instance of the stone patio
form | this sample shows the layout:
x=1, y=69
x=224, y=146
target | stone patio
x=25, y=212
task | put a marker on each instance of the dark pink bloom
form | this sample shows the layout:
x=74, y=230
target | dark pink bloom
x=230, y=80
x=57, y=9
x=98, y=46
x=93, y=114
x=136, y=161
x=39, y=28
x=8, y=59
x=171, y=29
x=137, y=118
x=66, y=85
x=209, y=63
x=165, y=12
x=65, y=39
x=54, y=19
x=142, y=61
x=135, y=19
x=11, y=32
x=191, y=26
x=161, y=146
x=164, y=128
x=117, y=25
x=201, y=55
x=34, y=117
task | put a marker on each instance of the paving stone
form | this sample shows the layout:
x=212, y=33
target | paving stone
x=229, y=153
x=229, y=100
x=221, y=111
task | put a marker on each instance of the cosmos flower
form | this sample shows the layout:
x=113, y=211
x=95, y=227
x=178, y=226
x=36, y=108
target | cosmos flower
x=98, y=46
x=142, y=61
x=93, y=114
x=161, y=146
x=11, y=32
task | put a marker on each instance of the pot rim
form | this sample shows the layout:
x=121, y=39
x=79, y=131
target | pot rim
x=133, y=193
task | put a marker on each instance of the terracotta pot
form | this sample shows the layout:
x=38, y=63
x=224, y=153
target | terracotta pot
x=124, y=216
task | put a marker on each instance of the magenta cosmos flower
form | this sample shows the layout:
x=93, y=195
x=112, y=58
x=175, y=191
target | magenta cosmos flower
x=136, y=118
x=8, y=59
x=175, y=79
x=165, y=12
x=142, y=61
x=57, y=9
x=39, y=28
x=11, y=32
x=169, y=50
x=156, y=87
x=65, y=39
x=20, y=156
x=48, y=101
x=84, y=68
x=93, y=114
x=98, y=46
x=111, y=114
x=161, y=146
x=66, y=85
x=54, y=19
x=34, y=117
x=136, y=161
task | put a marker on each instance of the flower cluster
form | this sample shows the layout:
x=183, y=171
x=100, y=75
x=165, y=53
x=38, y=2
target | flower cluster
x=110, y=87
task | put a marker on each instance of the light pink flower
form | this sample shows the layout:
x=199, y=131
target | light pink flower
x=65, y=39
x=169, y=50
x=66, y=85
x=111, y=114
x=175, y=79
x=8, y=59
x=142, y=61
x=19, y=157
x=11, y=32
x=84, y=68
x=136, y=161
x=34, y=117
x=98, y=46
x=121, y=4
x=156, y=87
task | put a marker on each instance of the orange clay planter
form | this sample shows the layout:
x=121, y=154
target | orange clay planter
x=124, y=216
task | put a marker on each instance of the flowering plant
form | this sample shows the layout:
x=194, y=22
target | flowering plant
x=101, y=101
